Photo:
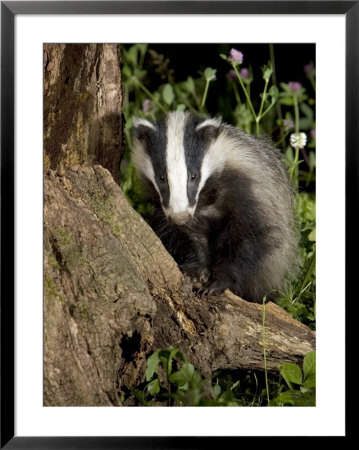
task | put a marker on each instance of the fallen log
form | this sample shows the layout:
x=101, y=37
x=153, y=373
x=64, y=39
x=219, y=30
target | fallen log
x=112, y=295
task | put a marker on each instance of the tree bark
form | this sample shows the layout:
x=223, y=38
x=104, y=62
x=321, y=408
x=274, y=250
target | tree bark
x=112, y=295
x=82, y=106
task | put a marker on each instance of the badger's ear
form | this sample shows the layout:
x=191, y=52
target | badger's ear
x=209, y=129
x=142, y=127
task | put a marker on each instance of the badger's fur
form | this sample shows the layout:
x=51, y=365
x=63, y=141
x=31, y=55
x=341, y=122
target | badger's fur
x=225, y=206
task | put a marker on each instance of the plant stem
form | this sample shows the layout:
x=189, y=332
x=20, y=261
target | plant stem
x=305, y=156
x=281, y=140
x=264, y=348
x=312, y=82
x=236, y=94
x=204, y=95
x=295, y=168
x=267, y=110
x=307, y=277
x=263, y=99
x=152, y=97
x=296, y=113
x=296, y=157
x=245, y=92
x=184, y=101
x=274, y=81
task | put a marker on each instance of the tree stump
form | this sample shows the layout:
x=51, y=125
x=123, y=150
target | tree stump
x=112, y=295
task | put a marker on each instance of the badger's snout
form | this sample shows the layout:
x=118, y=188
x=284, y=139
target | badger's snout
x=180, y=218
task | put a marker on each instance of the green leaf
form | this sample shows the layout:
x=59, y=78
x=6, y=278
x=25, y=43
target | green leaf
x=172, y=354
x=291, y=373
x=168, y=94
x=132, y=55
x=181, y=107
x=188, y=370
x=152, y=365
x=185, y=375
x=217, y=391
x=153, y=387
x=267, y=71
x=305, y=123
x=300, y=94
x=142, y=48
x=307, y=111
x=274, y=93
x=285, y=398
x=301, y=98
x=288, y=101
x=310, y=381
x=227, y=396
x=289, y=154
x=312, y=159
x=309, y=364
x=295, y=398
x=210, y=74
x=223, y=56
x=312, y=235
x=178, y=378
x=189, y=85
x=140, y=74
x=285, y=87
x=141, y=397
x=126, y=71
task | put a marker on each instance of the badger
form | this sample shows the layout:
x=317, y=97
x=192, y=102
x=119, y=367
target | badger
x=223, y=203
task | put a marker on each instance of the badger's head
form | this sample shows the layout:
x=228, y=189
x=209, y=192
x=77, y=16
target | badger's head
x=173, y=154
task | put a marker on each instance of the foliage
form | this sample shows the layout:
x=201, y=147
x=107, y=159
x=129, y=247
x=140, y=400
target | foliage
x=173, y=381
x=299, y=298
x=182, y=384
x=304, y=379
x=286, y=112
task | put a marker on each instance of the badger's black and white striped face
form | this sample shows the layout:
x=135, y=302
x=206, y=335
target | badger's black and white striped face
x=171, y=154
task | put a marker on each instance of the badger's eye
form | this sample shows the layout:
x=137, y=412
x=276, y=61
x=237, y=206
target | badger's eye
x=162, y=178
x=193, y=176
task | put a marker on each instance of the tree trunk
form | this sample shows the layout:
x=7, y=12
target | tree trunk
x=112, y=295
x=82, y=106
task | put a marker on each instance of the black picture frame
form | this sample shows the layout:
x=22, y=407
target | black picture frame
x=9, y=9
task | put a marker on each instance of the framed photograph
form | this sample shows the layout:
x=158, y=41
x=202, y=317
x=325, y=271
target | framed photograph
x=62, y=209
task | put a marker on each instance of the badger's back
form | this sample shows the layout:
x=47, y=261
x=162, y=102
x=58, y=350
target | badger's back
x=240, y=203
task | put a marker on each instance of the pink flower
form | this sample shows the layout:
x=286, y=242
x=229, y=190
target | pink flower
x=308, y=69
x=146, y=105
x=294, y=85
x=231, y=75
x=244, y=73
x=288, y=124
x=235, y=56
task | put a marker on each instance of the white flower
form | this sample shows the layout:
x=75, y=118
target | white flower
x=298, y=140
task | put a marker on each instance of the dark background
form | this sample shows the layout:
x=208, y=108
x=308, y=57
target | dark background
x=188, y=59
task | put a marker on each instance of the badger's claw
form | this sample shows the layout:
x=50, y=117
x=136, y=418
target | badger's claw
x=210, y=288
x=203, y=276
x=198, y=276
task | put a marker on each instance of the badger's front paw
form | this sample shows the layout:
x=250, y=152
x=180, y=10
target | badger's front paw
x=211, y=288
x=197, y=275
